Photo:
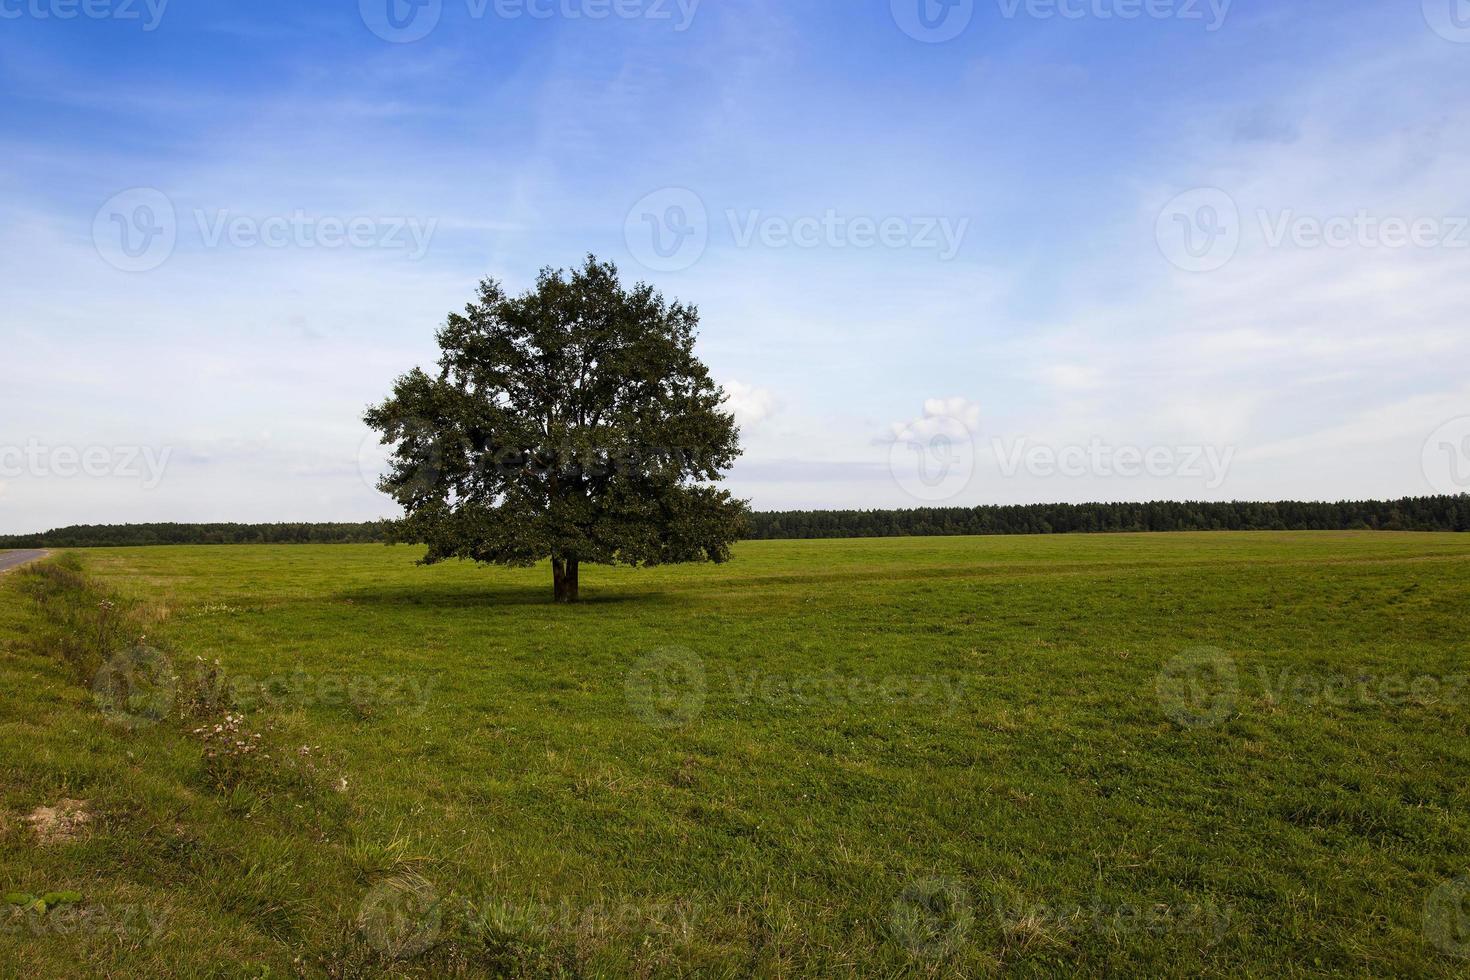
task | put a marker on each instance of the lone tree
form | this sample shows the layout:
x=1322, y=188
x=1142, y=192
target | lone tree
x=572, y=422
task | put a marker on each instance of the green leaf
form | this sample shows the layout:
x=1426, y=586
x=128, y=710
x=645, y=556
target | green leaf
x=61, y=898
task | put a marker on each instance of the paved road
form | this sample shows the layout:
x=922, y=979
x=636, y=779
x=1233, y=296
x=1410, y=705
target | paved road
x=15, y=559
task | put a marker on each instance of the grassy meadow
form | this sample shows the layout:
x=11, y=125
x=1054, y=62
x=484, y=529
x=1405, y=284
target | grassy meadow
x=1225, y=754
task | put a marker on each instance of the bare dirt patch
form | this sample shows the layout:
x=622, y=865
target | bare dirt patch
x=63, y=822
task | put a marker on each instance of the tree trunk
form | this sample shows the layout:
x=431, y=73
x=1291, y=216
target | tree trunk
x=564, y=579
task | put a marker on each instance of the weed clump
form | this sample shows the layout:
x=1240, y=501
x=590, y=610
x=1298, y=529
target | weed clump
x=136, y=684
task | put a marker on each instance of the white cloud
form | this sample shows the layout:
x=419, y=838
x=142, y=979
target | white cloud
x=955, y=418
x=749, y=403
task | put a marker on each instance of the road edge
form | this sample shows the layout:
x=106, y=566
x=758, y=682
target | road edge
x=44, y=554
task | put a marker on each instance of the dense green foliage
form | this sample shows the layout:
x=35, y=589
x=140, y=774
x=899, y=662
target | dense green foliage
x=922, y=757
x=573, y=422
x=1408, y=514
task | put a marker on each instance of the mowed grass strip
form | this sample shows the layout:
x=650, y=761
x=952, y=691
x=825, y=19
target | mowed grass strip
x=1192, y=753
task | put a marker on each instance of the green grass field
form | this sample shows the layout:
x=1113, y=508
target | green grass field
x=1219, y=754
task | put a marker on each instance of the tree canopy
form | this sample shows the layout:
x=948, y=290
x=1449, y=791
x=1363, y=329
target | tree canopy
x=572, y=422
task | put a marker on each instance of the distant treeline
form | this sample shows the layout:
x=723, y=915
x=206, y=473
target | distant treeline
x=1408, y=514
x=119, y=535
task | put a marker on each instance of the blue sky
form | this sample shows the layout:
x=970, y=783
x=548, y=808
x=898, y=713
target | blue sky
x=926, y=268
